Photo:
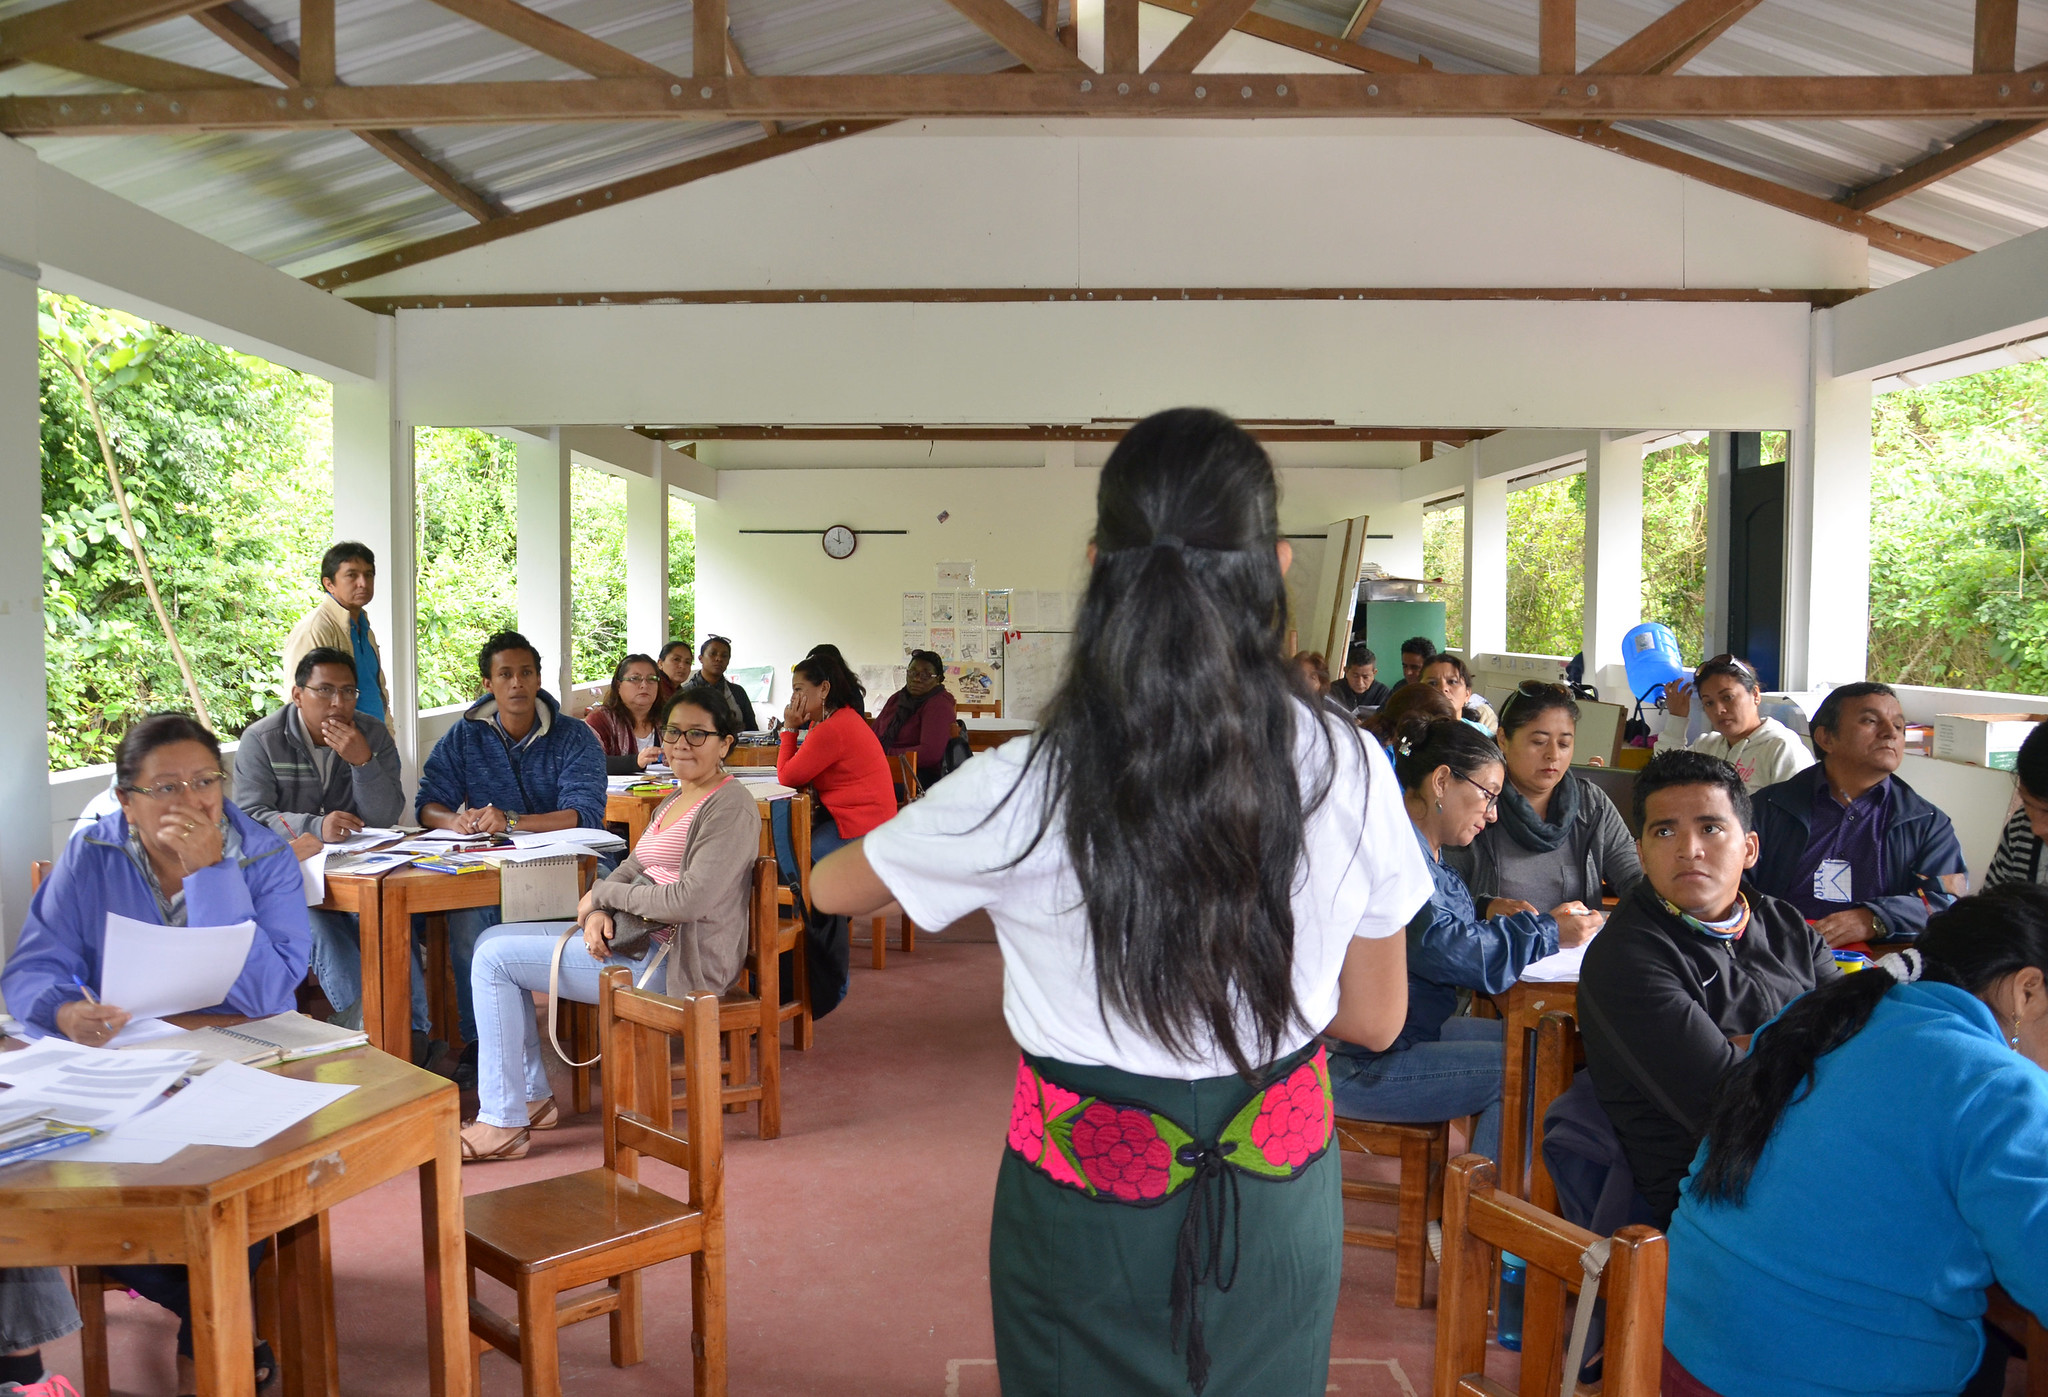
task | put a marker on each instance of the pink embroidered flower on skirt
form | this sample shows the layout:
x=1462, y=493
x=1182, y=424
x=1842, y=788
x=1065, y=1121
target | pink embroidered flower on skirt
x=1294, y=1122
x=1122, y=1152
x=1028, y=1116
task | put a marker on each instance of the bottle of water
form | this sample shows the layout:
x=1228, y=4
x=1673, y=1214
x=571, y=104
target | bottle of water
x=1509, y=1329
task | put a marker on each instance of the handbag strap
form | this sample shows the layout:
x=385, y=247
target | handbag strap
x=555, y=991
x=1592, y=1261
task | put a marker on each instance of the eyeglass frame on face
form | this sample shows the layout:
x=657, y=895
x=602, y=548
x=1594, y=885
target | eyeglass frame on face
x=329, y=692
x=641, y=679
x=202, y=785
x=1492, y=797
x=670, y=734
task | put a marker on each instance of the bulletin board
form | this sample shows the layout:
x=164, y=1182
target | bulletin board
x=1032, y=664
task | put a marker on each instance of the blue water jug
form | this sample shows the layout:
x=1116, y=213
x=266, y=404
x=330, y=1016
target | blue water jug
x=1508, y=1330
x=1650, y=655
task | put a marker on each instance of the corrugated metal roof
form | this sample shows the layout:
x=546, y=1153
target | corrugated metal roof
x=304, y=202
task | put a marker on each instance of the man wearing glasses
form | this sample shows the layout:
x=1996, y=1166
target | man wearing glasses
x=316, y=771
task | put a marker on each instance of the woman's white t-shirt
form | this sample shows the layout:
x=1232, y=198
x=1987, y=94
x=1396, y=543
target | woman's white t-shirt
x=1771, y=754
x=1364, y=876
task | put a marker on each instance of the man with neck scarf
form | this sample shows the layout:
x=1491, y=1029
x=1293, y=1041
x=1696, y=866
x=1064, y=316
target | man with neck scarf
x=919, y=716
x=1688, y=967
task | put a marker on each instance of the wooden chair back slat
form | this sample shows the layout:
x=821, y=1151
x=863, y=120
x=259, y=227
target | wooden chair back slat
x=38, y=869
x=905, y=764
x=638, y=1110
x=1557, y=1060
x=1480, y=1220
x=801, y=813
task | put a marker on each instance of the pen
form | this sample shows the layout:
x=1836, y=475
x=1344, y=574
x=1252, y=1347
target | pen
x=86, y=990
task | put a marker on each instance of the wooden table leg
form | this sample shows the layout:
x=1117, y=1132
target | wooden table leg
x=449, y=1367
x=1514, y=1109
x=305, y=1265
x=387, y=969
x=217, y=1268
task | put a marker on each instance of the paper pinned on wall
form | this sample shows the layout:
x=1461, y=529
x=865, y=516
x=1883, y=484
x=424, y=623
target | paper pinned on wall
x=969, y=646
x=914, y=638
x=1023, y=610
x=995, y=612
x=941, y=609
x=955, y=574
x=971, y=682
x=913, y=608
x=945, y=642
x=898, y=677
x=970, y=608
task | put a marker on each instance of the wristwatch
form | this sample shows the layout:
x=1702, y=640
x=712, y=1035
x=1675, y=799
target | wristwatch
x=511, y=821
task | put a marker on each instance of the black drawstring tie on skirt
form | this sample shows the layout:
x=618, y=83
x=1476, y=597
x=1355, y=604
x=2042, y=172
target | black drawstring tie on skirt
x=1199, y=1253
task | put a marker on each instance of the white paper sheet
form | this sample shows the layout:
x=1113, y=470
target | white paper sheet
x=313, y=869
x=141, y=1031
x=38, y=1057
x=152, y=971
x=237, y=1106
x=364, y=838
x=372, y=863
x=1559, y=968
x=120, y=1147
x=100, y=1091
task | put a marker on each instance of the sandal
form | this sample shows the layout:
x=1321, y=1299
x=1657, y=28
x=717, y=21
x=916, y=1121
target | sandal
x=542, y=1115
x=513, y=1148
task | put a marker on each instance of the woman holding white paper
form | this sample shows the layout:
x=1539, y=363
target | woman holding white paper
x=176, y=854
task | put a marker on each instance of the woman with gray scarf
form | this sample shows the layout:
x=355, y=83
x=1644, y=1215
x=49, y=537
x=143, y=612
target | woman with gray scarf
x=1558, y=837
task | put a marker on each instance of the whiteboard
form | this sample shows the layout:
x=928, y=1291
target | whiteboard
x=1032, y=664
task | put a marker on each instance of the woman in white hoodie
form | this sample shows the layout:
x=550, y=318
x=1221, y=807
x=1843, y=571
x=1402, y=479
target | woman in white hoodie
x=1762, y=750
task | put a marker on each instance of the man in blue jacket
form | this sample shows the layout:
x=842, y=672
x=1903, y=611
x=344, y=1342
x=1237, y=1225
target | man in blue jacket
x=1860, y=853
x=512, y=763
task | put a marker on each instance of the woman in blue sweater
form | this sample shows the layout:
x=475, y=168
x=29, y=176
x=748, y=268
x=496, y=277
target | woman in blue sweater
x=1921, y=1080
x=1443, y=1065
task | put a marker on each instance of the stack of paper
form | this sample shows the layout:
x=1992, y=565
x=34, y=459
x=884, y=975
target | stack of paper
x=153, y=970
x=63, y=1081
x=234, y=1105
x=1559, y=968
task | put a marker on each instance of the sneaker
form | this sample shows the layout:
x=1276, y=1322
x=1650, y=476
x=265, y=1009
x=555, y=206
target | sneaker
x=1436, y=1243
x=52, y=1385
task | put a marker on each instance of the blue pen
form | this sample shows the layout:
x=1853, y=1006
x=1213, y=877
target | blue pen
x=86, y=990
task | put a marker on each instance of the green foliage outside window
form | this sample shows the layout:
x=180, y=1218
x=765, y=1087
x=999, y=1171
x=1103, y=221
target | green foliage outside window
x=597, y=572
x=1547, y=567
x=468, y=518
x=225, y=459
x=682, y=571
x=1443, y=555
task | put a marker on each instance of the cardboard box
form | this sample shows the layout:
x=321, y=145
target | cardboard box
x=1983, y=739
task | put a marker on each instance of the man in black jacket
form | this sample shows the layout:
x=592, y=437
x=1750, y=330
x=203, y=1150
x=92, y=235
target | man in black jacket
x=1688, y=967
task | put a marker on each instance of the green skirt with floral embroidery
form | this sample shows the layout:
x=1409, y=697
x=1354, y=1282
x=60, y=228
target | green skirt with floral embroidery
x=1082, y=1282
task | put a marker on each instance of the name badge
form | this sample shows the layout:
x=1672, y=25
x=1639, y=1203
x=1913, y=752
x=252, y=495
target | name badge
x=1831, y=881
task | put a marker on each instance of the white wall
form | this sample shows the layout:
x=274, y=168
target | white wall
x=779, y=595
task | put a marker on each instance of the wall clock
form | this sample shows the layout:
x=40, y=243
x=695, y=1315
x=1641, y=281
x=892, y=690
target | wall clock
x=840, y=541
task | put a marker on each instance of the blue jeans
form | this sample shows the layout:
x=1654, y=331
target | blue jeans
x=35, y=1307
x=466, y=927
x=1456, y=1076
x=338, y=964
x=509, y=965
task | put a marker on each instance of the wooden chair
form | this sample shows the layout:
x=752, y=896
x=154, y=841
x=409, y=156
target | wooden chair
x=903, y=767
x=789, y=931
x=602, y=1226
x=1558, y=1057
x=1417, y=1199
x=747, y=1017
x=979, y=710
x=1480, y=1221
x=38, y=869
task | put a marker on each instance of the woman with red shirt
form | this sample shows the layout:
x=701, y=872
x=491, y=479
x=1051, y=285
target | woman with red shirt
x=919, y=716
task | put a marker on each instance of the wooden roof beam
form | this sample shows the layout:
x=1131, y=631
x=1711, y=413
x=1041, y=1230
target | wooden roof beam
x=1674, y=38
x=1119, y=36
x=67, y=21
x=1979, y=145
x=572, y=46
x=316, y=43
x=1031, y=45
x=136, y=70
x=1199, y=39
x=1557, y=37
x=736, y=63
x=1997, y=36
x=246, y=38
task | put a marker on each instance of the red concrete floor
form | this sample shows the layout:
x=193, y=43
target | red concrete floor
x=858, y=1241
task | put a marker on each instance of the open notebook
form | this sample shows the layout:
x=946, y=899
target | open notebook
x=280, y=1038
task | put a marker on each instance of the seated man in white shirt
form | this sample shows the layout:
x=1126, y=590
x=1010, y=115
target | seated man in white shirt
x=1762, y=750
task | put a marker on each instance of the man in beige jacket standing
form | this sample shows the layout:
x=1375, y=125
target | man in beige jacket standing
x=348, y=574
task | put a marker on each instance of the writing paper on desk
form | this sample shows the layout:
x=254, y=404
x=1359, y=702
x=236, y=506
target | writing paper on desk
x=152, y=970
x=236, y=1106
x=364, y=864
x=101, y=1090
x=1561, y=967
x=313, y=868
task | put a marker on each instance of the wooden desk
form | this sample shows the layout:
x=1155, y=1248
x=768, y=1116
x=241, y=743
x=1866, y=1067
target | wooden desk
x=754, y=756
x=984, y=733
x=633, y=811
x=206, y=1206
x=384, y=904
x=1520, y=1008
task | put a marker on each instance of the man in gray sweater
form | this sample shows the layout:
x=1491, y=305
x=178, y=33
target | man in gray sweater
x=317, y=771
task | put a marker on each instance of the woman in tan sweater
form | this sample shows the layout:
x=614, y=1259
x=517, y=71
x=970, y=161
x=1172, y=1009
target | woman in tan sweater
x=690, y=876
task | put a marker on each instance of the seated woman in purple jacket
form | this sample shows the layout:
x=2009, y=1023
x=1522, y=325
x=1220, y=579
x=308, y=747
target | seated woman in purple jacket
x=176, y=854
x=919, y=716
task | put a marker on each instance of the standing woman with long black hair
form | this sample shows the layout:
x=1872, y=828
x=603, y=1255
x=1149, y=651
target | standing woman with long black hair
x=1192, y=872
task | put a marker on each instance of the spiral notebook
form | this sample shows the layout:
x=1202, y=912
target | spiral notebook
x=283, y=1037
x=540, y=890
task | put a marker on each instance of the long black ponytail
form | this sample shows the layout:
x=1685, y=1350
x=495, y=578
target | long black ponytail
x=1972, y=944
x=1169, y=744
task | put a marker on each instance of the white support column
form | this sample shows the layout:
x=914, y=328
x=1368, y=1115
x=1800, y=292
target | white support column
x=24, y=762
x=647, y=556
x=1720, y=480
x=1486, y=559
x=1827, y=528
x=544, y=556
x=1614, y=555
x=375, y=504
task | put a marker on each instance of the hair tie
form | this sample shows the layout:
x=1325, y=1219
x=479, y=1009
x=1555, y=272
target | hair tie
x=1904, y=966
x=1172, y=541
x=1406, y=746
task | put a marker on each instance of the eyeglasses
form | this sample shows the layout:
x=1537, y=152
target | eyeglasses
x=203, y=785
x=329, y=692
x=1492, y=797
x=695, y=737
x=641, y=679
